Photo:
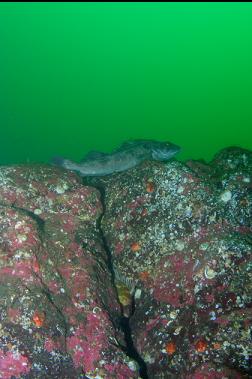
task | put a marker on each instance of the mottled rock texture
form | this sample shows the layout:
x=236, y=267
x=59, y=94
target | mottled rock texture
x=182, y=235
x=58, y=309
x=161, y=252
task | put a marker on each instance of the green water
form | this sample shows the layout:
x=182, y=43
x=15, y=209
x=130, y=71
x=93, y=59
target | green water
x=86, y=76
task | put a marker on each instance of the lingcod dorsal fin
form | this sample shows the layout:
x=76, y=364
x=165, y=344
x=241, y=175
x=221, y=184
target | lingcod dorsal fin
x=93, y=155
x=128, y=144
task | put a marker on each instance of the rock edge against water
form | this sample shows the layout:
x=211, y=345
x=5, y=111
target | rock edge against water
x=164, y=249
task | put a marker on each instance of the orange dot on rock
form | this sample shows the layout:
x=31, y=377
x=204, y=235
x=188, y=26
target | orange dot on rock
x=36, y=267
x=144, y=275
x=38, y=318
x=135, y=246
x=216, y=345
x=201, y=346
x=170, y=348
x=150, y=187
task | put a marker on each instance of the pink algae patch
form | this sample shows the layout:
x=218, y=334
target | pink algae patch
x=13, y=314
x=207, y=372
x=152, y=323
x=21, y=237
x=75, y=250
x=77, y=278
x=222, y=321
x=9, y=196
x=119, y=248
x=13, y=364
x=66, y=271
x=88, y=341
x=53, y=286
x=79, y=285
x=121, y=371
x=69, y=223
x=51, y=345
x=209, y=297
x=174, y=281
x=78, y=202
x=21, y=270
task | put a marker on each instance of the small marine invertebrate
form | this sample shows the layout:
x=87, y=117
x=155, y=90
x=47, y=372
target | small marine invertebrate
x=144, y=275
x=209, y=272
x=135, y=246
x=144, y=212
x=201, y=345
x=38, y=318
x=226, y=196
x=150, y=186
x=125, y=292
x=170, y=347
x=216, y=346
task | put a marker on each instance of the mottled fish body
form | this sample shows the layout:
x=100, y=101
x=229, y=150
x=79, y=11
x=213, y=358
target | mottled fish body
x=129, y=155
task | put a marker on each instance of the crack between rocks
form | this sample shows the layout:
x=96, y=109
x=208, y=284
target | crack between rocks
x=124, y=323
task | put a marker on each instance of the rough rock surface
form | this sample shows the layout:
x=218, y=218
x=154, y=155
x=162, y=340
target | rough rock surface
x=181, y=236
x=58, y=309
x=160, y=260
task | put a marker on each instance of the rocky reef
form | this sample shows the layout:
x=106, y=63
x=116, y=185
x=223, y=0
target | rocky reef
x=142, y=274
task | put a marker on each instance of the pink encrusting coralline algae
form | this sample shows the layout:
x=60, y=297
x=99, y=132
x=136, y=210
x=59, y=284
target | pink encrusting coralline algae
x=171, y=242
x=58, y=306
x=13, y=364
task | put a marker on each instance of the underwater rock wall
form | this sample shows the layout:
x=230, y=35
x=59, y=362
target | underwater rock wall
x=58, y=309
x=164, y=249
x=180, y=236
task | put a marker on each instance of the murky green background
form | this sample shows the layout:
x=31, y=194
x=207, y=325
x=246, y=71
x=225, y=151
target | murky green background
x=81, y=76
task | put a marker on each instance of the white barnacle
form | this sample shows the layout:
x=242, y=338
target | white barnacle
x=212, y=315
x=226, y=196
x=177, y=330
x=138, y=294
x=209, y=272
x=37, y=211
x=246, y=179
x=179, y=245
x=96, y=310
x=132, y=365
x=180, y=189
x=173, y=314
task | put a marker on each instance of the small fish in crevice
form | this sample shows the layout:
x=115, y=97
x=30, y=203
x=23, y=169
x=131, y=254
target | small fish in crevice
x=125, y=291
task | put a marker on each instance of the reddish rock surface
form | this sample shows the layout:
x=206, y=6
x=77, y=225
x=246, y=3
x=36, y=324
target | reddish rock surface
x=58, y=309
x=184, y=242
x=157, y=265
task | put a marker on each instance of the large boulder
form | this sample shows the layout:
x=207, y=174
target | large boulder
x=152, y=269
x=58, y=307
x=181, y=242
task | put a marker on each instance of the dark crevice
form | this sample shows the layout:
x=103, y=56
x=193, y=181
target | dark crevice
x=65, y=331
x=124, y=322
x=130, y=349
x=104, y=241
x=39, y=221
